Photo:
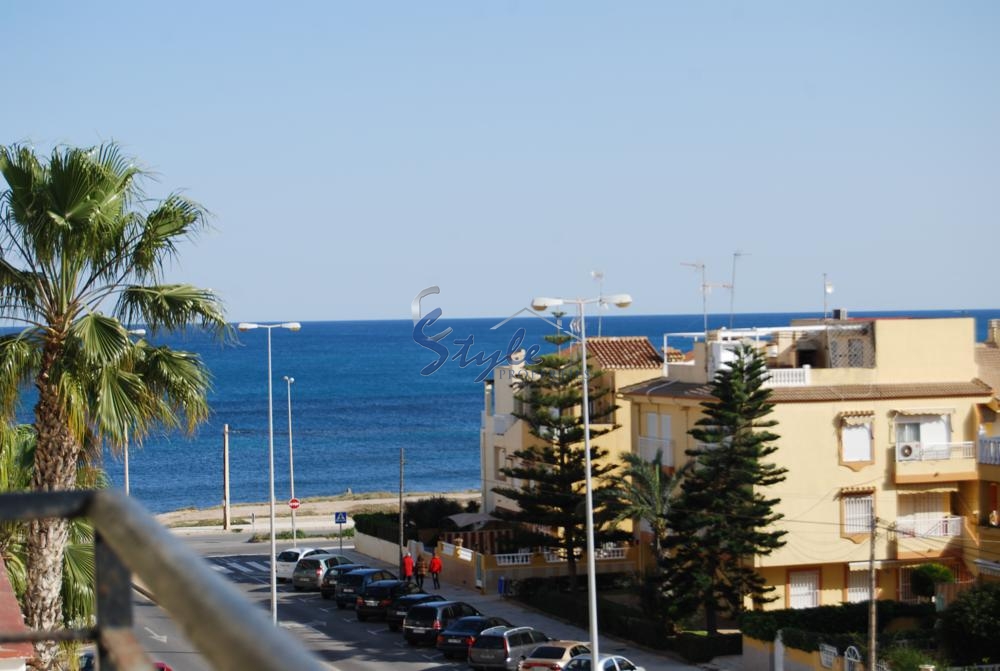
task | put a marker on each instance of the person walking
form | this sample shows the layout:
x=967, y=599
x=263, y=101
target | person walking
x=407, y=567
x=421, y=570
x=435, y=569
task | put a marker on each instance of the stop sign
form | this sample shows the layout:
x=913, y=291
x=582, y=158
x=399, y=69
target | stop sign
x=293, y=503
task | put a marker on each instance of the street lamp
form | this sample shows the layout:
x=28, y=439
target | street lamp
x=541, y=304
x=291, y=326
x=140, y=333
x=291, y=459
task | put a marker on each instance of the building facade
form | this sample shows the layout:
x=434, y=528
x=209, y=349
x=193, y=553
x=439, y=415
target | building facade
x=891, y=419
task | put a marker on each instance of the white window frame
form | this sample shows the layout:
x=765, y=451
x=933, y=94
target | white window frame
x=857, y=513
x=856, y=443
x=803, y=589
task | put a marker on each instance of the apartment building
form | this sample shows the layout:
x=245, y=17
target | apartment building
x=621, y=361
x=891, y=417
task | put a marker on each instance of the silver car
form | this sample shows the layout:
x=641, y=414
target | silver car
x=504, y=647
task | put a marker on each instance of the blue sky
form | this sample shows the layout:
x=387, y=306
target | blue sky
x=354, y=153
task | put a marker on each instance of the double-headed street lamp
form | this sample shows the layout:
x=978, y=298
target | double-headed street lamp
x=291, y=326
x=291, y=458
x=541, y=304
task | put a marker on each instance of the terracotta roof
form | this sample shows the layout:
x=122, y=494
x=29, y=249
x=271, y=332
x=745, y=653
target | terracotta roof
x=662, y=387
x=11, y=620
x=622, y=352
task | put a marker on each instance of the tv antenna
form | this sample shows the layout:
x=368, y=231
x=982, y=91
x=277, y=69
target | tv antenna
x=706, y=289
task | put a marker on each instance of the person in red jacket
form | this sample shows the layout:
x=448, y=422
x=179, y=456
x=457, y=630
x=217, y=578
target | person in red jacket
x=434, y=568
x=407, y=567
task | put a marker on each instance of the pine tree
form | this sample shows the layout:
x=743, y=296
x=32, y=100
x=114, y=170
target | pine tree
x=551, y=472
x=722, y=517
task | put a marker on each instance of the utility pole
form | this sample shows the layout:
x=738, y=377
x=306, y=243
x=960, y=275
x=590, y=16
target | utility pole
x=872, y=610
x=732, y=287
x=225, y=478
x=401, y=536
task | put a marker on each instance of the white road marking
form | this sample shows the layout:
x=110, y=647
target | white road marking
x=259, y=567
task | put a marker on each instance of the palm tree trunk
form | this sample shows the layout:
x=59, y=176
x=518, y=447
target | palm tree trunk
x=55, y=469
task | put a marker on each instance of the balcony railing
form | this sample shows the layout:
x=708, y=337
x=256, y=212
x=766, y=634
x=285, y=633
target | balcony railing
x=934, y=451
x=989, y=451
x=215, y=616
x=945, y=526
x=502, y=422
x=788, y=377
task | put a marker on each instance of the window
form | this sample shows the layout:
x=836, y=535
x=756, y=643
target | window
x=857, y=513
x=857, y=586
x=931, y=432
x=856, y=441
x=803, y=589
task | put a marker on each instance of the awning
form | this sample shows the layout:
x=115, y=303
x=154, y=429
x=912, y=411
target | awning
x=988, y=567
x=857, y=417
x=913, y=412
x=945, y=488
x=860, y=489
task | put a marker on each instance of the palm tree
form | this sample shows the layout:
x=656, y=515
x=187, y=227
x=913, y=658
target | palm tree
x=643, y=490
x=17, y=451
x=77, y=238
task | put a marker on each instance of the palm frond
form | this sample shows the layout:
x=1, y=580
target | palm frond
x=19, y=359
x=173, y=307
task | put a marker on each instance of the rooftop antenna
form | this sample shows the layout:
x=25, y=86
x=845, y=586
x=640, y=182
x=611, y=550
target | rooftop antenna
x=732, y=286
x=827, y=290
x=598, y=275
x=706, y=289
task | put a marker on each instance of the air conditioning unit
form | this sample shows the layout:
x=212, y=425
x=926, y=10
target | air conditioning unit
x=908, y=452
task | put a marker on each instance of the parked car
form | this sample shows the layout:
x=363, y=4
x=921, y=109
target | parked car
x=607, y=663
x=286, y=560
x=457, y=637
x=309, y=571
x=341, y=559
x=401, y=605
x=328, y=586
x=553, y=656
x=350, y=584
x=425, y=621
x=504, y=647
x=375, y=598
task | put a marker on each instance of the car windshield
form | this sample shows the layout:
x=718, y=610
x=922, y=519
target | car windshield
x=465, y=625
x=489, y=642
x=548, y=652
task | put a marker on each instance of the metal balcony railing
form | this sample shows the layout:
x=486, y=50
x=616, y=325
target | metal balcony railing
x=989, y=451
x=231, y=633
x=944, y=526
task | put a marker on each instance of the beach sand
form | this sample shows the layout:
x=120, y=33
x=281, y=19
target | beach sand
x=313, y=512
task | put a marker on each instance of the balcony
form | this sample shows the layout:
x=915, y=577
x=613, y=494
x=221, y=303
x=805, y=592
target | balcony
x=989, y=451
x=922, y=526
x=918, y=462
x=788, y=377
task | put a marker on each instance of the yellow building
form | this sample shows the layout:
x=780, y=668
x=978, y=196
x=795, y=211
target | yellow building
x=622, y=361
x=884, y=415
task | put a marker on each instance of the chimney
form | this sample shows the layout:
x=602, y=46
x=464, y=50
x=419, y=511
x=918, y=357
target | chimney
x=839, y=314
x=993, y=332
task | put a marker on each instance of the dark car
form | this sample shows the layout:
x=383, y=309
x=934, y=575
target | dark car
x=425, y=621
x=401, y=605
x=504, y=647
x=352, y=583
x=328, y=586
x=374, y=600
x=463, y=632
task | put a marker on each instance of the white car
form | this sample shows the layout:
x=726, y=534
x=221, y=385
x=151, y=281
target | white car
x=287, y=559
x=607, y=663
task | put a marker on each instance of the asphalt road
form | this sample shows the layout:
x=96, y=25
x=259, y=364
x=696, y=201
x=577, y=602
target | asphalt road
x=334, y=635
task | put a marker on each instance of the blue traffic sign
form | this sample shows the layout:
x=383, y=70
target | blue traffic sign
x=340, y=518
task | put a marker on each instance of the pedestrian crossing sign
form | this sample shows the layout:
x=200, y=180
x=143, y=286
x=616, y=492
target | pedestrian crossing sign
x=340, y=518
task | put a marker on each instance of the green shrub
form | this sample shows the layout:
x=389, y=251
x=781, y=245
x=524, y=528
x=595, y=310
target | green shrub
x=701, y=648
x=905, y=658
x=925, y=578
x=970, y=624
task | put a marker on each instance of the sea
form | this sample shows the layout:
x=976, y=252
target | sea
x=364, y=394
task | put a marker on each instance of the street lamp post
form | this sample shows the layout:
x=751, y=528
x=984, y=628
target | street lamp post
x=622, y=301
x=291, y=458
x=291, y=326
x=140, y=333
